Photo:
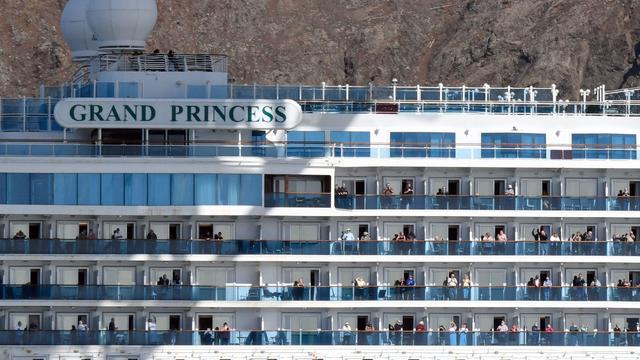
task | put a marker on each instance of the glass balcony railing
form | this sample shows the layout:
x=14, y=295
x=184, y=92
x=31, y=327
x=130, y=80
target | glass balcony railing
x=317, y=247
x=321, y=337
x=315, y=293
x=297, y=200
x=466, y=202
x=320, y=150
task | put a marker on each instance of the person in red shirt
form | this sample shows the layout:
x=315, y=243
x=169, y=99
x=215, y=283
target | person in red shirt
x=420, y=327
x=549, y=329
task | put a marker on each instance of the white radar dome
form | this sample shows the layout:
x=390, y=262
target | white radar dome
x=122, y=25
x=76, y=30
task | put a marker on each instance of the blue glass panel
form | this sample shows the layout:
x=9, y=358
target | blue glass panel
x=135, y=189
x=229, y=189
x=197, y=91
x=128, y=90
x=88, y=189
x=105, y=89
x=112, y=189
x=251, y=190
x=65, y=189
x=41, y=189
x=17, y=189
x=205, y=189
x=182, y=189
x=3, y=188
x=158, y=190
x=349, y=143
x=219, y=92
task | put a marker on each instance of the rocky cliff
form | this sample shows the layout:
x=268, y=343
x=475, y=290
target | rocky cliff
x=573, y=43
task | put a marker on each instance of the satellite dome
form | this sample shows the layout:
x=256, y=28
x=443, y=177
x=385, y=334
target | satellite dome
x=76, y=30
x=122, y=25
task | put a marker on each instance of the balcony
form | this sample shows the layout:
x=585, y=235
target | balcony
x=467, y=202
x=316, y=247
x=320, y=200
x=319, y=337
x=314, y=293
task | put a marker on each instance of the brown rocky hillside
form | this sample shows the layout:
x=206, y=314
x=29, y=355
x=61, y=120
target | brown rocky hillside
x=573, y=43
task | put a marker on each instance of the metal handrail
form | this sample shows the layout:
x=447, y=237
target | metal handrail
x=161, y=62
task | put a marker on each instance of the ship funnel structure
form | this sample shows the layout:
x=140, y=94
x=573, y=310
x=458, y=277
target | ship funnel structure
x=76, y=30
x=122, y=26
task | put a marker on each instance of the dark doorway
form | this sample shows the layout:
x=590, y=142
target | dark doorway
x=497, y=320
x=34, y=231
x=205, y=322
x=82, y=276
x=407, y=322
x=591, y=276
x=362, y=322
x=544, y=321
x=205, y=231
x=454, y=232
x=174, y=322
x=34, y=278
x=544, y=275
x=453, y=187
x=498, y=187
x=546, y=188
x=34, y=319
x=174, y=231
x=83, y=227
x=131, y=233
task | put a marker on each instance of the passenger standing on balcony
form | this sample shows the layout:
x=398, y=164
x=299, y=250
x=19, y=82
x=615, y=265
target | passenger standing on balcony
x=369, y=332
x=217, y=242
x=298, y=289
x=401, y=242
x=466, y=287
x=91, y=235
x=346, y=334
x=152, y=235
x=225, y=334
x=116, y=235
x=463, y=334
x=409, y=288
x=348, y=242
x=555, y=244
x=387, y=193
x=547, y=284
x=173, y=64
x=452, y=284
x=509, y=197
x=535, y=333
x=407, y=197
x=541, y=237
x=82, y=326
x=501, y=242
x=397, y=333
x=453, y=335
x=487, y=243
x=19, y=235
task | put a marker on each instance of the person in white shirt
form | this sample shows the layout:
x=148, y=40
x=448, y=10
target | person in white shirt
x=502, y=327
x=82, y=326
x=547, y=288
x=348, y=240
x=346, y=334
x=19, y=326
x=151, y=325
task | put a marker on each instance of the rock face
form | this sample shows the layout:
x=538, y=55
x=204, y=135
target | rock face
x=572, y=43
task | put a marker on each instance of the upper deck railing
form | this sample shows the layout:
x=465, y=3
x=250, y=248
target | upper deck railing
x=160, y=62
x=36, y=114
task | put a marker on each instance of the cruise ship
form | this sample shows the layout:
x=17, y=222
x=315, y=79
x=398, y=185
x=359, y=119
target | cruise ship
x=150, y=208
